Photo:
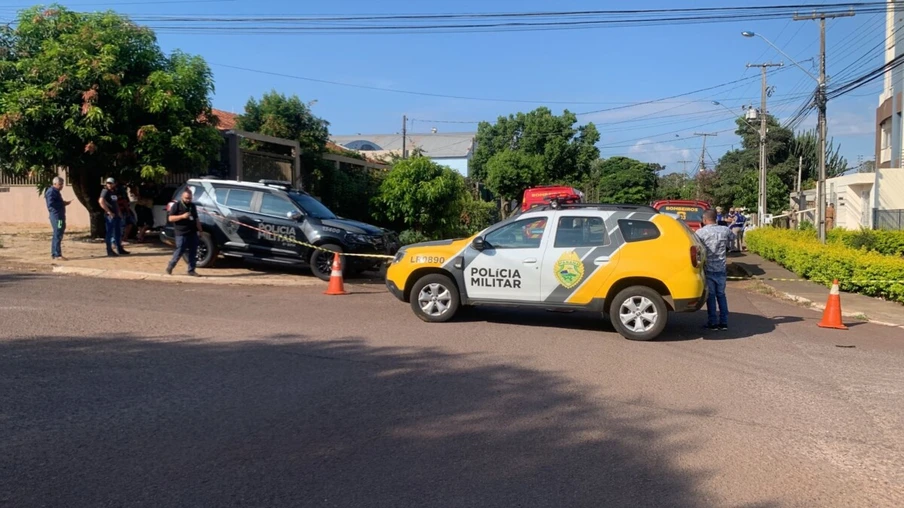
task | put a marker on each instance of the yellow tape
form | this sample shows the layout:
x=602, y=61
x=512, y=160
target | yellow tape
x=293, y=240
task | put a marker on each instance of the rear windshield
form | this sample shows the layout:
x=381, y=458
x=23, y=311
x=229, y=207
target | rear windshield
x=688, y=213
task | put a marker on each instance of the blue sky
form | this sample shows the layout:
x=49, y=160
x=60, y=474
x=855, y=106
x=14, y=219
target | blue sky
x=606, y=67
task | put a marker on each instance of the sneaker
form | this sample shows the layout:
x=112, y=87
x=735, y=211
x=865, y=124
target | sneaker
x=723, y=327
x=112, y=254
x=123, y=252
x=710, y=327
x=169, y=270
x=193, y=274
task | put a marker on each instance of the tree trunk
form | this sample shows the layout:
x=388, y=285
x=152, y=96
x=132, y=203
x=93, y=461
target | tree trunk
x=86, y=186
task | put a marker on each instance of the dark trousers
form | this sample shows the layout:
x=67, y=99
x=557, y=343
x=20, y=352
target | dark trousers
x=114, y=233
x=187, y=243
x=56, y=245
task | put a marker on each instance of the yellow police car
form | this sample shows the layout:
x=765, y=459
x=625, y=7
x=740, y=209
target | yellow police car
x=629, y=262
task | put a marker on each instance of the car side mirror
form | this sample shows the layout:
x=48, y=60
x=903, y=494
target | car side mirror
x=294, y=215
x=478, y=243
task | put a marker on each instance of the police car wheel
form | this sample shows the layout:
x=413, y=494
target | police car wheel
x=638, y=313
x=322, y=262
x=434, y=298
x=207, y=252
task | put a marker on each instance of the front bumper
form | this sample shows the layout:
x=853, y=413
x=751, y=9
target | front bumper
x=396, y=292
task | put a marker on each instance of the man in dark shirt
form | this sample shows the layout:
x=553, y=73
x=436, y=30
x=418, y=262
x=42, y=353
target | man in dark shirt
x=109, y=201
x=186, y=226
x=56, y=207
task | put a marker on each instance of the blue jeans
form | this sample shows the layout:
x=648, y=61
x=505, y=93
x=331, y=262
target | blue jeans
x=113, y=233
x=715, y=285
x=186, y=244
x=59, y=227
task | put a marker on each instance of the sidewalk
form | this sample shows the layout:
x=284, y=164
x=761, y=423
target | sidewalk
x=852, y=305
x=24, y=245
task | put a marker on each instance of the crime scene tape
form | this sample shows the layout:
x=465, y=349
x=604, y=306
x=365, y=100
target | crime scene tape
x=271, y=234
x=871, y=281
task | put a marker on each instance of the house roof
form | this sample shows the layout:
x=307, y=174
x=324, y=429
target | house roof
x=439, y=144
x=226, y=119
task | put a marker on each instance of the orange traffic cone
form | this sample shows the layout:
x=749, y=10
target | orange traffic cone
x=337, y=286
x=831, y=318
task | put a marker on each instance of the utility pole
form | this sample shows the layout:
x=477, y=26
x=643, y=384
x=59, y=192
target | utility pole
x=702, y=158
x=684, y=165
x=761, y=195
x=821, y=106
x=404, y=136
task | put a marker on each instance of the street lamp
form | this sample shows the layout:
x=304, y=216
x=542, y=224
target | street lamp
x=821, y=105
x=761, y=187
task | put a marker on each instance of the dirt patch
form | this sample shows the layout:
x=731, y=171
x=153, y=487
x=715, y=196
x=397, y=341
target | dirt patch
x=30, y=246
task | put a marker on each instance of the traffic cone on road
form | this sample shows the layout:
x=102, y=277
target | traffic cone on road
x=337, y=285
x=831, y=317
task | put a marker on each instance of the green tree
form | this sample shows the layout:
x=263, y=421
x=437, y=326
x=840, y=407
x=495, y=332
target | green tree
x=551, y=149
x=94, y=93
x=622, y=180
x=289, y=118
x=806, y=145
x=424, y=196
x=675, y=186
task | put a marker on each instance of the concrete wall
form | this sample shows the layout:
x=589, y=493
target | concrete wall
x=891, y=188
x=23, y=205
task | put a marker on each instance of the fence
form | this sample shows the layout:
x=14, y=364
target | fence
x=264, y=165
x=888, y=219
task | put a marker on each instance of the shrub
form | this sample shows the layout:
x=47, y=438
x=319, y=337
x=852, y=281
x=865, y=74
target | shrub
x=857, y=270
x=410, y=236
x=890, y=243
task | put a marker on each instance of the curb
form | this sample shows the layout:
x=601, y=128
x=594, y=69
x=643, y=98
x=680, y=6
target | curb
x=819, y=306
x=184, y=279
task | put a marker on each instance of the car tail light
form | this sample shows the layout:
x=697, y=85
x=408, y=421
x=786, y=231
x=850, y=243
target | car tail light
x=695, y=256
x=169, y=205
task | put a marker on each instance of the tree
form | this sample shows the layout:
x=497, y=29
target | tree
x=93, y=93
x=675, y=186
x=622, y=180
x=806, y=144
x=424, y=196
x=289, y=118
x=547, y=149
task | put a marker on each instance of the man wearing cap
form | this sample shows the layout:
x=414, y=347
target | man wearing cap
x=109, y=201
x=56, y=207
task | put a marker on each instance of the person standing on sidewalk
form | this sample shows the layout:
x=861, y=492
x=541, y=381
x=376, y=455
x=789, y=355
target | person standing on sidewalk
x=716, y=239
x=109, y=201
x=56, y=207
x=186, y=226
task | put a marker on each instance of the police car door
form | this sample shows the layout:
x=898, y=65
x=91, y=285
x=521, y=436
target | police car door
x=508, y=268
x=277, y=221
x=579, y=247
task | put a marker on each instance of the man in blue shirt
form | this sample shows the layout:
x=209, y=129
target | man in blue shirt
x=737, y=229
x=715, y=239
x=56, y=207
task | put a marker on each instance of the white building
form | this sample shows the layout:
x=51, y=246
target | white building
x=857, y=202
x=453, y=149
x=886, y=194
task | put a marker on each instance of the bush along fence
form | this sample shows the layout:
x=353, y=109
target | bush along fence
x=857, y=270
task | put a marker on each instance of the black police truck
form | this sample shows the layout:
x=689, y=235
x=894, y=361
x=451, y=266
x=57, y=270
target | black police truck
x=268, y=221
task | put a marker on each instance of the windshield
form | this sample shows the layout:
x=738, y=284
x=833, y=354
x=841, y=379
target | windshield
x=311, y=206
x=684, y=212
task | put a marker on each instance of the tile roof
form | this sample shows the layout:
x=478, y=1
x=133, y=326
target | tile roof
x=227, y=120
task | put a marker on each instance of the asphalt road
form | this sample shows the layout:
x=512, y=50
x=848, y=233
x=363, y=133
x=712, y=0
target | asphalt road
x=118, y=393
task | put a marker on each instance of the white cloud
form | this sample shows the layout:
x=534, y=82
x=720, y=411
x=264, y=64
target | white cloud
x=843, y=123
x=662, y=153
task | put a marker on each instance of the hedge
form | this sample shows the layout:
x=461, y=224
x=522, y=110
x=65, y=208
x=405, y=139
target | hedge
x=890, y=243
x=857, y=270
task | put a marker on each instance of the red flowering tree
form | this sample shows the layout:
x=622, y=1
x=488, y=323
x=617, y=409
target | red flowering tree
x=94, y=93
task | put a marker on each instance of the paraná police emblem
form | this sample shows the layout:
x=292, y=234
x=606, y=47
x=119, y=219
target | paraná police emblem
x=569, y=270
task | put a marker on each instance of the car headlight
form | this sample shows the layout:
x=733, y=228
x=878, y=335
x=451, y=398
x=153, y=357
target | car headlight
x=399, y=255
x=356, y=238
